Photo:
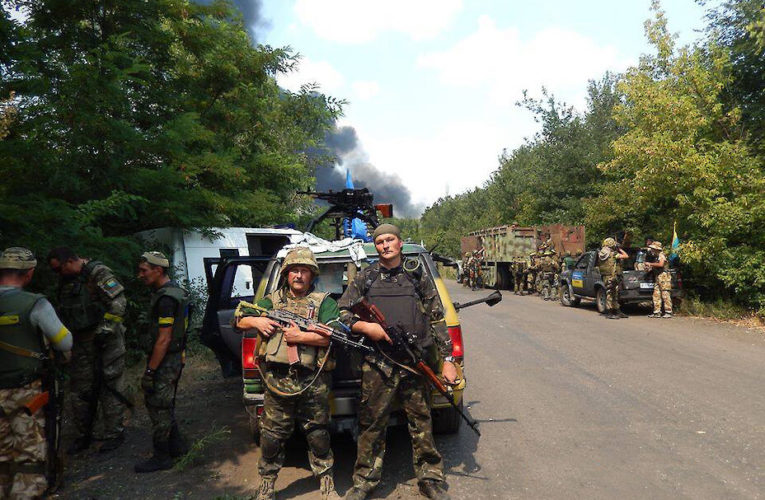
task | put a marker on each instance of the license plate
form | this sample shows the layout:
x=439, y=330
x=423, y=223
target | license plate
x=647, y=285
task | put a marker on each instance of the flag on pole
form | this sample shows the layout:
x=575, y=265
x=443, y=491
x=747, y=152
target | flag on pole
x=674, y=258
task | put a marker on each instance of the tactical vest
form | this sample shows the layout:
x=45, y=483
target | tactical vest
x=79, y=308
x=547, y=265
x=606, y=267
x=16, y=329
x=398, y=298
x=276, y=348
x=180, y=315
x=665, y=268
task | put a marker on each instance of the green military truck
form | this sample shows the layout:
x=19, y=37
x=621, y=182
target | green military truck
x=504, y=245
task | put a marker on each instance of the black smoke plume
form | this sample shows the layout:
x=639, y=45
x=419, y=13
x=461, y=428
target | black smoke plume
x=386, y=187
x=252, y=14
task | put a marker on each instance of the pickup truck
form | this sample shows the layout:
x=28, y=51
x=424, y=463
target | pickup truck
x=584, y=282
x=337, y=269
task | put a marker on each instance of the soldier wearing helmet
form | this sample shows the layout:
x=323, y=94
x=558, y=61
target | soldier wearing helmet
x=28, y=328
x=658, y=265
x=610, y=267
x=168, y=322
x=548, y=272
x=297, y=381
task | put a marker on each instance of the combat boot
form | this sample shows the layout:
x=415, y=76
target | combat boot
x=435, y=490
x=327, y=487
x=356, y=493
x=79, y=444
x=161, y=459
x=177, y=444
x=612, y=314
x=266, y=489
x=621, y=314
x=112, y=444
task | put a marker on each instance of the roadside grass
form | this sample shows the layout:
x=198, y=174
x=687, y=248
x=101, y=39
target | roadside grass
x=723, y=310
x=197, y=451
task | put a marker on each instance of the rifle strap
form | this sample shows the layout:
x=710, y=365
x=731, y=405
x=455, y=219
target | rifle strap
x=301, y=391
x=20, y=351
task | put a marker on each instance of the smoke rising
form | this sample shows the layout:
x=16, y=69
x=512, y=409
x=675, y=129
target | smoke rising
x=344, y=143
x=252, y=14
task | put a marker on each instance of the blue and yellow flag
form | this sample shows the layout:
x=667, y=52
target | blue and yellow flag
x=674, y=257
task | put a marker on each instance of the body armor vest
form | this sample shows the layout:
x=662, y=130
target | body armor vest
x=180, y=315
x=399, y=300
x=78, y=306
x=658, y=270
x=308, y=307
x=16, y=329
x=610, y=266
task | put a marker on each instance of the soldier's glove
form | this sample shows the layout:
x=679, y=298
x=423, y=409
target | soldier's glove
x=147, y=381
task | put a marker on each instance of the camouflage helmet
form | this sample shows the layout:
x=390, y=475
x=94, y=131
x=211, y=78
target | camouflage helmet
x=609, y=242
x=302, y=256
x=17, y=258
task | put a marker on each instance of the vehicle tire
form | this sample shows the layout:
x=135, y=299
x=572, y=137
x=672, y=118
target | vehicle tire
x=254, y=423
x=566, y=298
x=600, y=300
x=447, y=420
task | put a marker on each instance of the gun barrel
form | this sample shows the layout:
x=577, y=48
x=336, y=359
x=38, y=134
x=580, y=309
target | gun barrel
x=490, y=300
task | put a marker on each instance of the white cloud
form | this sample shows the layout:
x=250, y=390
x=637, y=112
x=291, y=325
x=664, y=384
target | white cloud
x=360, y=21
x=365, y=89
x=308, y=71
x=501, y=63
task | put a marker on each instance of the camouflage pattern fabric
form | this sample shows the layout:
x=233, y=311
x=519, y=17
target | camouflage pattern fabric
x=612, y=292
x=160, y=404
x=22, y=440
x=378, y=395
x=661, y=293
x=91, y=351
x=518, y=281
x=547, y=279
x=310, y=410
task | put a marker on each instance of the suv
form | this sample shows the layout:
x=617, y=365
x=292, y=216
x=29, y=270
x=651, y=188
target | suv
x=337, y=269
x=584, y=282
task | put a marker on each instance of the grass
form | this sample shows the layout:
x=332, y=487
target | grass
x=720, y=309
x=197, y=451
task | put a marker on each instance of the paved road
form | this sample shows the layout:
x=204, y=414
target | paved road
x=571, y=406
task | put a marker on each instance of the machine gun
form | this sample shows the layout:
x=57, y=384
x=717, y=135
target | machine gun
x=348, y=204
x=286, y=318
x=405, y=343
x=491, y=300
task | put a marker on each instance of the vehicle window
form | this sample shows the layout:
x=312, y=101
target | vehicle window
x=583, y=261
x=244, y=279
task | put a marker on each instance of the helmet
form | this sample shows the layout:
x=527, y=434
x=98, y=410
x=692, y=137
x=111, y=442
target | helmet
x=302, y=256
x=609, y=242
x=17, y=258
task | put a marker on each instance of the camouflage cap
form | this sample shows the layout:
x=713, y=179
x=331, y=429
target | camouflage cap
x=386, y=229
x=17, y=258
x=156, y=259
x=302, y=256
x=656, y=245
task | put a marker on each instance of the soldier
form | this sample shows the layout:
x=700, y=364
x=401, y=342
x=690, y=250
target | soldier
x=91, y=303
x=548, y=268
x=168, y=323
x=518, y=278
x=531, y=273
x=28, y=327
x=477, y=270
x=659, y=267
x=465, y=276
x=297, y=388
x=611, y=272
x=405, y=295
x=568, y=262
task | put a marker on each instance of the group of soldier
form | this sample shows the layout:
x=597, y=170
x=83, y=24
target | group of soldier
x=472, y=272
x=298, y=383
x=83, y=336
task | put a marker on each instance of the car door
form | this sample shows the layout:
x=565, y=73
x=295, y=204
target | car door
x=230, y=281
x=579, y=274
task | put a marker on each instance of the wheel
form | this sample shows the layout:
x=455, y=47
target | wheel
x=254, y=423
x=566, y=298
x=600, y=300
x=447, y=420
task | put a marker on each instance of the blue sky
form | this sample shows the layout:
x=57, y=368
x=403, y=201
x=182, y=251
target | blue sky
x=431, y=84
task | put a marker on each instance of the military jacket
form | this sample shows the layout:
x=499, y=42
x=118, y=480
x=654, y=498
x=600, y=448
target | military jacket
x=608, y=264
x=179, y=321
x=87, y=300
x=16, y=329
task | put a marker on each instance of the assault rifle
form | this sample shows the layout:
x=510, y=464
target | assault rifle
x=405, y=343
x=286, y=318
x=348, y=204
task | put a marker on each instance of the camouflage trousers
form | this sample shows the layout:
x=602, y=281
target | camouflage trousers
x=105, y=354
x=378, y=395
x=518, y=283
x=661, y=293
x=160, y=404
x=612, y=292
x=547, y=285
x=309, y=410
x=22, y=440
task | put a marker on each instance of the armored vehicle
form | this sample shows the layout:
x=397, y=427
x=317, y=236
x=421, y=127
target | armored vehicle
x=505, y=245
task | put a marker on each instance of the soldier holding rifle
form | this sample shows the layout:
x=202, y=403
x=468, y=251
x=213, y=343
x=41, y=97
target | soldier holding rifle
x=610, y=267
x=398, y=287
x=296, y=366
x=28, y=413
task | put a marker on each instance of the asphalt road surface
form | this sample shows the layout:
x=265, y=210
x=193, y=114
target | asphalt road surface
x=571, y=405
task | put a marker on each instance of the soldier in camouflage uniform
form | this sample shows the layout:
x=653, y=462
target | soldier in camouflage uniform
x=91, y=303
x=549, y=269
x=659, y=267
x=465, y=270
x=518, y=278
x=168, y=322
x=297, y=381
x=532, y=273
x=28, y=327
x=403, y=292
x=610, y=269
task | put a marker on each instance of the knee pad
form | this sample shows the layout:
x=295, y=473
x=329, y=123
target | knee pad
x=318, y=441
x=269, y=446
